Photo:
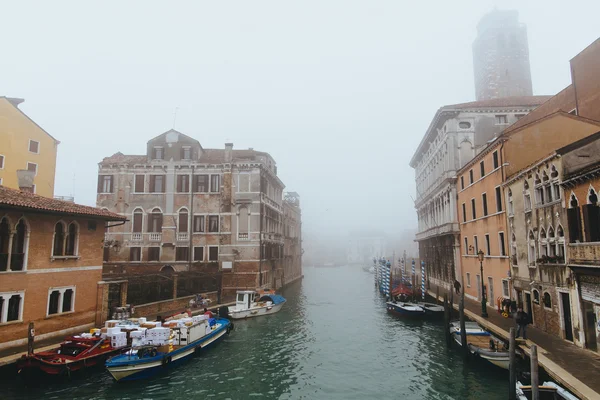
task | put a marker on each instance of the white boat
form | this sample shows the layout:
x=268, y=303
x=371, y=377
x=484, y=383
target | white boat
x=548, y=390
x=432, y=310
x=482, y=343
x=250, y=303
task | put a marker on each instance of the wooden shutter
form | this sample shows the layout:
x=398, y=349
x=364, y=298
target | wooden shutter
x=100, y=177
x=152, y=179
x=179, y=183
x=139, y=183
x=137, y=221
x=591, y=219
x=183, y=221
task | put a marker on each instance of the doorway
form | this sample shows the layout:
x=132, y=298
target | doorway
x=528, y=308
x=491, y=298
x=566, y=306
x=590, y=325
x=478, y=287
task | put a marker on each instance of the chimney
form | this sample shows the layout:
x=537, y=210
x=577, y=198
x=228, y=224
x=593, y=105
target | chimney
x=228, y=149
x=25, y=179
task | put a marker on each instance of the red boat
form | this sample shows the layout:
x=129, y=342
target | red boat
x=75, y=353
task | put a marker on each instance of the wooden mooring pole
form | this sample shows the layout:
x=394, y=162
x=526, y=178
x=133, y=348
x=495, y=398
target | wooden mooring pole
x=535, y=379
x=512, y=367
x=463, y=330
x=447, y=321
x=451, y=304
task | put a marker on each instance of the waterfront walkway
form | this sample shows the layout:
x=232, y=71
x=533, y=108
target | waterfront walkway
x=574, y=368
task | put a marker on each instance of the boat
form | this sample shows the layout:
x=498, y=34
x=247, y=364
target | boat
x=252, y=303
x=405, y=309
x=432, y=310
x=547, y=390
x=183, y=342
x=75, y=353
x=481, y=343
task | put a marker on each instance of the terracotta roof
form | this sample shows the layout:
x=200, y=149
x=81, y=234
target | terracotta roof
x=526, y=101
x=209, y=156
x=12, y=198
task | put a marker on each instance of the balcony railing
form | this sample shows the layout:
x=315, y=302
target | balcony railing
x=182, y=236
x=136, y=237
x=155, y=237
x=243, y=236
x=584, y=253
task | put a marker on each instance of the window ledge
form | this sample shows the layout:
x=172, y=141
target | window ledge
x=59, y=314
x=11, y=322
x=13, y=272
x=64, y=258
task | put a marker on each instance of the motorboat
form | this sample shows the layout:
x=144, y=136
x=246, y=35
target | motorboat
x=547, y=390
x=405, y=309
x=252, y=303
x=481, y=343
x=432, y=310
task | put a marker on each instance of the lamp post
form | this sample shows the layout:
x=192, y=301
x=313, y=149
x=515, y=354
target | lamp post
x=484, y=313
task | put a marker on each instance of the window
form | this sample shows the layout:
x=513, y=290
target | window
x=213, y=253
x=58, y=248
x=155, y=221
x=501, y=243
x=105, y=183
x=501, y=120
x=61, y=300
x=198, y=223
x=32, y=167
x=92, y=225
x=511, y=206
x=539, y=195
x=214, y=183
x=574, y=220
x=513, y=248
x=547, y=300
x=482, y=168
x=468, y=279
x=200, y=183
x=464, y=125
x=153, y=253
x=183, y=221
x=182, y=253
x=183, y=183
x=505, y=289
x=158, y=153
x=71, y=242
x=495, y=159
x=527, y=202
x=476, y=244
x=471, y=176
x=464, y=210
x=1, y=161
x=556, y=189
x=138, y=218
x=34, y=146
x=536, y=296
x=466, y=245
x=591, y=215
x=543, y=243
x=531, y=250
x=186, y=153
x=473, y=210
x=462, y=182
x=135, y=254
x=213, y=223
x=139, y=183
x=491, y=299
x=243, y=183
x=199, y=253
x=484, y=203
x=18, y=261
x=560, y=245
x=488, y=250
x=157, y=183
x=11, y=306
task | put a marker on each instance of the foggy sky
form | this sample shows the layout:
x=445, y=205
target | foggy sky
x=339, y=92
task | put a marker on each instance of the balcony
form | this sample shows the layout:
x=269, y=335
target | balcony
x=243, y=236
x=136, y=237
x=155, y=237
x=183, y=236
x=585, y=253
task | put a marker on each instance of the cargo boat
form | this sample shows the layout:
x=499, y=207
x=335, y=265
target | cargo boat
x=147, y=361
x=73, y=354
x=252, y=303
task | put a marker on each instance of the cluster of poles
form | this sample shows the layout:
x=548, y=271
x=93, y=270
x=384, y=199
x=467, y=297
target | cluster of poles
x=384, y=275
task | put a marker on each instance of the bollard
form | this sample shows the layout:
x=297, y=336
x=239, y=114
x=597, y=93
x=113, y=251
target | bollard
x=447, y=321
x=535, y=379
x=512, y=381
x=463, y=330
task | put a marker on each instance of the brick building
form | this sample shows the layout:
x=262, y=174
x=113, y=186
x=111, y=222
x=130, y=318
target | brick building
x=50, y=266
x=501, y=57
x=218, y=212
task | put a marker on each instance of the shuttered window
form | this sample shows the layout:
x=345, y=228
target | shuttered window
x=574, y=223
x=105, y=183
x=200, y=183
x=183, y=183
x=199, y=253
x=153, y=253
x=182, y=253
x=183, y=221
x=591, y=222
x=157, y=183
x=139, y=183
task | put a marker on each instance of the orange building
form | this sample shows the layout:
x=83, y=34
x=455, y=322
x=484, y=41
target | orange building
x=50, y=266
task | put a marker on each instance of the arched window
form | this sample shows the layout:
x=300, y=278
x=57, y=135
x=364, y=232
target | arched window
x=138, y=218
x=155, y=221
x=526, y=185
x=4, y=243
x=591, y=215
x=547, y=300
x=543, y=243
x=531, y=248
x=560, y=244
x=536, y=296
x=573, y=203
x=574, y=220
x=58, y=248
x=182, y=226
x=551, y=243
x=537, y=179
x=19, y=247
x=167, y=269
x=526, y=197
x=71, y=242
x=592, y=197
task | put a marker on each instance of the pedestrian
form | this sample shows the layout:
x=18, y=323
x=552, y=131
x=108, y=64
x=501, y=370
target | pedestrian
x=522, y=320
x=457, y=286
x=209, y=313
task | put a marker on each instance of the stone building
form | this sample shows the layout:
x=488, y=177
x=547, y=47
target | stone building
x=213, y=211
x=50, y=266
x=455, y=135
x=292, y=233
x=501, y=57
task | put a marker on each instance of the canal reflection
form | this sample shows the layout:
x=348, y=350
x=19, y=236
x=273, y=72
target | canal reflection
x=332, y=340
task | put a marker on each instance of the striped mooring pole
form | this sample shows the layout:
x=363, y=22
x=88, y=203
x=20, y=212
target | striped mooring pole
x=423, y=280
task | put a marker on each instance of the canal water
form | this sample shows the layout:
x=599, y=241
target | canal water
x=332, y=340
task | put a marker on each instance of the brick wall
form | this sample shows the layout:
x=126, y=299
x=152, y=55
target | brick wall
x=164, y=308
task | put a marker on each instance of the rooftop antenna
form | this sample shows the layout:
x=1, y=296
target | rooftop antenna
x=175, y=116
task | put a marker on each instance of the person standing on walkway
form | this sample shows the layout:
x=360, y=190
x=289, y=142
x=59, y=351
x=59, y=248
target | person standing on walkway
x=522, y=320
x=457, y=286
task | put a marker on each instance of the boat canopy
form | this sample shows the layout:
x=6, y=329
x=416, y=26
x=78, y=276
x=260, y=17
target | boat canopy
x=275, y=298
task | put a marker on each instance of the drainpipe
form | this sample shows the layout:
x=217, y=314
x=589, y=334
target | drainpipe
x=191, y=221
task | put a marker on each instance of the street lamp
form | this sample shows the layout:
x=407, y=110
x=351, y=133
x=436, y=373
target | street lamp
x=484, y=313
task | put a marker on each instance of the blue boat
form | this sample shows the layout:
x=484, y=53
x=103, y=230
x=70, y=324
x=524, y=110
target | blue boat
x=405, y=309
x=147, y=361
